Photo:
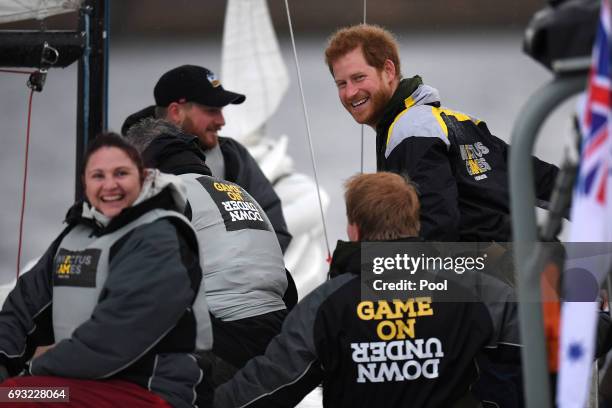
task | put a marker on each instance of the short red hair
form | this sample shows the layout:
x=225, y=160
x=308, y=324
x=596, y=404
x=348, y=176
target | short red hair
x=383, y=205
x=376, y=43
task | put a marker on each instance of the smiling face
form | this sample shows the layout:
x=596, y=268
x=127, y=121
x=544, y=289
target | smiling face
x=112, y=181
x=363, y=90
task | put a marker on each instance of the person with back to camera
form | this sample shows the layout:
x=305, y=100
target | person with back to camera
x=247, y=287
x=114, y=305
x=332, y=336
x=193, y=98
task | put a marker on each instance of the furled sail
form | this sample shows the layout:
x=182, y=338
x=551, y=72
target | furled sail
x=251, y=63
x=16, y=10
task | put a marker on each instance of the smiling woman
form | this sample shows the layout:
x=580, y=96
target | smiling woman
x=90, y=307
x=112, y=176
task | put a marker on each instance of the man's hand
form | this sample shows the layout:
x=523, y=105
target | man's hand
x=41, y=350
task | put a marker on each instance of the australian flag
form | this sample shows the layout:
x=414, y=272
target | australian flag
x=591, y=217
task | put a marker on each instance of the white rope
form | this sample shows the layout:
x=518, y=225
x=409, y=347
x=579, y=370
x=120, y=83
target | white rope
x=308, y=133
x=362, y=126
x=365, y=7
x=362, y=148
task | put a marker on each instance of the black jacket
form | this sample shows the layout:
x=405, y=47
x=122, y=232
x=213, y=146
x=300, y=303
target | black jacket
x=325, y=339
x=459, y=167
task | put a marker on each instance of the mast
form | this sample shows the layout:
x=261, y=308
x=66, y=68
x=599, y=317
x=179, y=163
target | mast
x=92, y=107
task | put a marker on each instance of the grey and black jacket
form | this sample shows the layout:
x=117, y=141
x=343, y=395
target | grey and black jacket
x=241, y=258
x=459, y=167
x=117, y=298
x=335, y=338
x=242, y=169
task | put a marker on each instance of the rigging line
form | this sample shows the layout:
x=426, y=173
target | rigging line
x=365, y=7
x=308, y=133
x=25, y=181
x=86, y=96
x=106, y=37
x=362, y=148
x=15, y=71
x=362, y=125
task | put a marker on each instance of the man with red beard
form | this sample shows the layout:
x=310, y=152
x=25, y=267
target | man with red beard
x=460, y=168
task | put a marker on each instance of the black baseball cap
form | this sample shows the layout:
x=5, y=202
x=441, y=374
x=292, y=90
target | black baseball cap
x=191, y=83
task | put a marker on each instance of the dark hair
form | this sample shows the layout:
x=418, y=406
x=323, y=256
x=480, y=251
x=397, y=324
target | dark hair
x=383, y=205
x=110, y=139
x=376, y=43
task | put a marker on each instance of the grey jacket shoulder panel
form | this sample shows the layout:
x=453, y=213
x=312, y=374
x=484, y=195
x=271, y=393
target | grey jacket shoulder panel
x=131, y=326
x=100, y=342
x=423, y=117
x=240, y=254
x=415, y=121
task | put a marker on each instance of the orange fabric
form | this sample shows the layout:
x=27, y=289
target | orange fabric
x=551, y=310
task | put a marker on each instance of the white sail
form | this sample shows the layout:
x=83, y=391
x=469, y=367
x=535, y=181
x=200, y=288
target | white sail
x=16, y=10
x=251, y=63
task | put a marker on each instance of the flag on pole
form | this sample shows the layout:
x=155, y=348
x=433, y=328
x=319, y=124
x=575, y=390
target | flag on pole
x=591, y=217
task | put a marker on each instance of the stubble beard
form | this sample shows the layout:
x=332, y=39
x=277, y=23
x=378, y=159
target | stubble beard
x=207, y=140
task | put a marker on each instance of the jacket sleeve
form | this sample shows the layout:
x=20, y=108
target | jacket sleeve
x=291, y=366
x=146, y=293
x=499, y=298
x=242, y=169
x=425, y=161
x=25, y=319
x=545, y=175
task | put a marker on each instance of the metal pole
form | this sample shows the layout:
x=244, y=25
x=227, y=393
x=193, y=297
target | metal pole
x=91, y=114
x=522, y=200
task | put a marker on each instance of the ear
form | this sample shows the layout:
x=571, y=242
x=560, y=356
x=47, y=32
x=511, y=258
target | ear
x=353, y=232
x=175, y=113
x=389, y=70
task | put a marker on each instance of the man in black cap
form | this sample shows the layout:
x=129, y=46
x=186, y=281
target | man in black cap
x=192, y=98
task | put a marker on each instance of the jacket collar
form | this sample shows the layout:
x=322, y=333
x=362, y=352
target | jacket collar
x=347, y=256
x=396, y=104
x=410, y=92
x=163, y=148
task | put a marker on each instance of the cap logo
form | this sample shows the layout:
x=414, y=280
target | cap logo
x=212, y=78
